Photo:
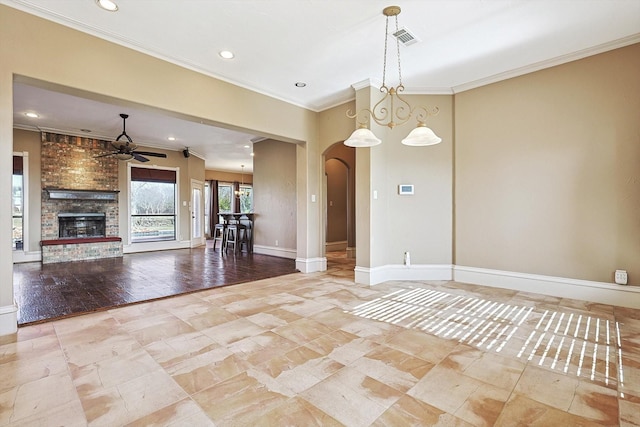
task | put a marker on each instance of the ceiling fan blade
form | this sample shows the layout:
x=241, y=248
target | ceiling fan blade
x=149, y=153
x=138, y=157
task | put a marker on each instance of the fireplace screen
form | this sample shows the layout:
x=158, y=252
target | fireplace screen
x=81, y=225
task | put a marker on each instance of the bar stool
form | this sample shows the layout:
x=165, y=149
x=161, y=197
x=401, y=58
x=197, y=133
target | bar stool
x=243, y=239
x=219, y=236
x=234, y=237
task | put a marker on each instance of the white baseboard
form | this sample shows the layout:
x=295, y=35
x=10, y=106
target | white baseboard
x=8, y=319
x=336, y=246
x=155, y=246
x=24, y=256
x=375, y=275
x=275, y=251
x=311, y=265
x=599, y=292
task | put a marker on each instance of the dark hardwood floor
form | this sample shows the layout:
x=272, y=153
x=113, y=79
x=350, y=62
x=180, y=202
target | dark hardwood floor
x=53, y=291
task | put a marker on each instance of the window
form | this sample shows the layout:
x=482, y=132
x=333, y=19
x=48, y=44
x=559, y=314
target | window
x=225, y=197
x=207, y=207
x=246, y=198
x=17, y=203
x=153, y=205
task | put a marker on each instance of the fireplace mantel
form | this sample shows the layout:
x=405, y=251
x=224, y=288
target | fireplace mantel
x=66, y=194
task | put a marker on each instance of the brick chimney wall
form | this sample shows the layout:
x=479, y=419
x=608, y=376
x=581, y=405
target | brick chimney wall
x=69, y=162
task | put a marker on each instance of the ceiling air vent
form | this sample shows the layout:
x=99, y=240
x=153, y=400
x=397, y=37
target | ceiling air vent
x=405, y=36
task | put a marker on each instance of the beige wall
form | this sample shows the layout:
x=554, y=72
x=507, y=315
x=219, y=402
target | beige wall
x=26, y=141
x=337, y=174
x=548, y=171
x=228, y=176
x=421, y=224
x=274, y=194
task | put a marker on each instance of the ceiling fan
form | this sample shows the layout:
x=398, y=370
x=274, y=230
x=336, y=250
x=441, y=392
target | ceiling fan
x=126, y=149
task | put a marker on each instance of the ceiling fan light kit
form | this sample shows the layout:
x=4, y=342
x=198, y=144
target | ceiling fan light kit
x=126, y=149
x=392, y=110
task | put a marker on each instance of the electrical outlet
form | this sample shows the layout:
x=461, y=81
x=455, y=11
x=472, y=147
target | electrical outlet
x=621, y=277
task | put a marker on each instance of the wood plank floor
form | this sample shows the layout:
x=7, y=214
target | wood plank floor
x=53, y=291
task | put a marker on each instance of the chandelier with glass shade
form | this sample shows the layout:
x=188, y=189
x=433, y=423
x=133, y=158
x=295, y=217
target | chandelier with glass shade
x=241, y=192
x=392, y=110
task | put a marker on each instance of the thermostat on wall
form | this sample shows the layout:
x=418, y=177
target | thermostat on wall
x=405, y=189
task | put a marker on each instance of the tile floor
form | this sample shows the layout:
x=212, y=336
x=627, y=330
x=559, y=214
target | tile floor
x=319, y=350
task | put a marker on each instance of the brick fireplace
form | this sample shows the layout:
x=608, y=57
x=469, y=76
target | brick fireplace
x=77, y=189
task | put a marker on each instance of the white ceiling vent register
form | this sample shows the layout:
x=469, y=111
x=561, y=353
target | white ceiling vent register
x=406, y=37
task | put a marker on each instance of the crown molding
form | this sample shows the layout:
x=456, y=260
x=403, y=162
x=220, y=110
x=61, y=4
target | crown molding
x=563, y=59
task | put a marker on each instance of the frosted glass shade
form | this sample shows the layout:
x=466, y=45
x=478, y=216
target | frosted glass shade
x=362, y=137
x=421, y=136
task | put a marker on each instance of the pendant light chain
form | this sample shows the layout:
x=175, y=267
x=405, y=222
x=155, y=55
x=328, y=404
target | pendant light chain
x=384, y=63
x=398, y=50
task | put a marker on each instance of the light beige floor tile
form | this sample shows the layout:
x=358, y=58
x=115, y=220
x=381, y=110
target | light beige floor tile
x=238, y=401
x=230, y=332
x=131, y=400
x=38, y=397
x=425, y=346
x=547, y=387
x=392, y=367
x=445, y=388
x=182, y=411
x=307, y=307
x=483, y=406
x=379, y=332
x=297, y=412
x=596, y=403
x=502, y=372
x=302, y=331
x=30, y=332
x=629, y=413
x=149, y=331
x=334, y=318
x=351, y=397
x=261, y=348
x=410, y=412
x=81, y=352
x=200, y=372
x=37, y=347
x=213, y=316
x=111, y=372
x=521, y=411
x=69, y=415
x=23, y=371
x=174, y=350
x=299, y=369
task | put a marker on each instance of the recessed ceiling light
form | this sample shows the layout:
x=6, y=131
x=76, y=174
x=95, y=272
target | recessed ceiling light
x=226, y=54
x=107, y=5
x=32, y=115
x=253, y=154
x=246, y=146
x=301, y=84
x=171, y=138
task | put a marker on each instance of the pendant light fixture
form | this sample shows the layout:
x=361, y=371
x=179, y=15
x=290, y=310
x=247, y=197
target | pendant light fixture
x=392, y=110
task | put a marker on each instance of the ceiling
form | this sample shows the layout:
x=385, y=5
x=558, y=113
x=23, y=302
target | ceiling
x=327, y=44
